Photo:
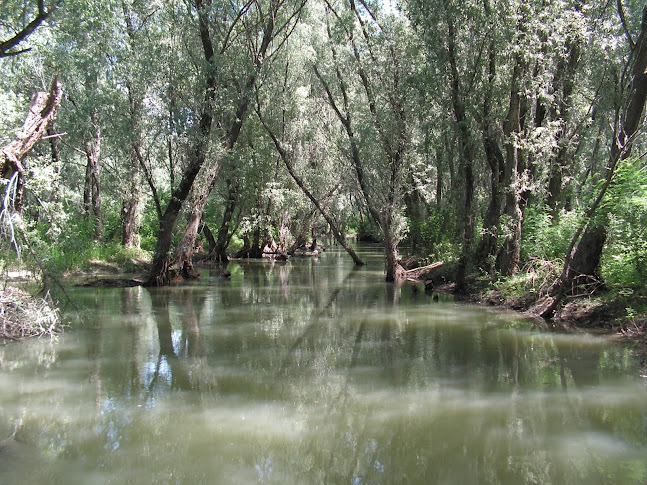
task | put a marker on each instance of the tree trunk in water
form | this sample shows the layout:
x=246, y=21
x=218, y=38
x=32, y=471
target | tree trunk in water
x=256, y=249
x=393, y=268
x=182, y=258
x=285, y=156
x=160, y=272
x=219, y=251
x=204, y=229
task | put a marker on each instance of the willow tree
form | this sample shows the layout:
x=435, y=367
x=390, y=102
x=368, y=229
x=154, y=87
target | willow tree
x=364, y=77
x=219, y=27
x=299, y=126
x=583, y=256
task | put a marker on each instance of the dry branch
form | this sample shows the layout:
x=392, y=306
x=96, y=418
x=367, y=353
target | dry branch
x=22, y=315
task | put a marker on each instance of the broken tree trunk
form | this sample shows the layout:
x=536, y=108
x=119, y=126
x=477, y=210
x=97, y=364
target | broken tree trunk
x=41, y=114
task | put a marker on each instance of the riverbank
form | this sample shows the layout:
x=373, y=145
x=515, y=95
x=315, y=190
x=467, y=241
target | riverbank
x=622, y=311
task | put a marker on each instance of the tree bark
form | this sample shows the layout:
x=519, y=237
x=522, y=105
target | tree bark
x=487, y=247
x=510, y=254
x=182, y=258
x=42, y=113
x=92, y=187
x=219, y=251
x=206, y=232
x=466, y=159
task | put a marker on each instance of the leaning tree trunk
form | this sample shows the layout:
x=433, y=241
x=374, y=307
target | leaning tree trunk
x=287, y=161
x=629, y=117
x=182, y=258
x=42, y=113
x=584, y=269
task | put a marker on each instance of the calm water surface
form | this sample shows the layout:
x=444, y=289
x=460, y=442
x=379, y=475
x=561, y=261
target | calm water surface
x=310, y=372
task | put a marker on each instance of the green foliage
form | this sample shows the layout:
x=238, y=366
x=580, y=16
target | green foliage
x=531, y=283
x=368, y=232
x=625, y=260
x=435, y=235
x=544, y=238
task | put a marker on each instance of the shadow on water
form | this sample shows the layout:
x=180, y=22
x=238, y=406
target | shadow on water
x=312, y=371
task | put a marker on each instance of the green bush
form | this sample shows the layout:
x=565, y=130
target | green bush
x=625, y=259
x=435, y=235
x=543, y=239
x=368, y=232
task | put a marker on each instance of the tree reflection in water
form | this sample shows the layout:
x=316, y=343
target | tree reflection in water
x=312, y=372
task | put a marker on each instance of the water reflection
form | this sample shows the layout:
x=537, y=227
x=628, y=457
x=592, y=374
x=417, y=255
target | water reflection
x=314, y=372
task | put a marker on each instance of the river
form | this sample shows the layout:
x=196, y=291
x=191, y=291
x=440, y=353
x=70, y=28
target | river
x=312, y=372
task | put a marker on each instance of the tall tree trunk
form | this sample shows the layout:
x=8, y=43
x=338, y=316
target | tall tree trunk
x=565, y=84
x=510, y=254
x=131, y=198
x=487, y=247
x=92, y=187
x=136, y=102
x=219, y=251
x=129, y=210
x=466, y=159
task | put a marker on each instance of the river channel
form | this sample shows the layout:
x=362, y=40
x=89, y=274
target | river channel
x=313, y=372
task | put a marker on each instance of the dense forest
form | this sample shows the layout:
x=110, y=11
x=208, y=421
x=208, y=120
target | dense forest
x=501, y=137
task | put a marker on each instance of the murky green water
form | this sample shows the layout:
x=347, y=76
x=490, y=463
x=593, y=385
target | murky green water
x=309, y=372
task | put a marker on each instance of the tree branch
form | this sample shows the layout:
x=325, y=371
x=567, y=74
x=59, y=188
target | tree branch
x=26, y=31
